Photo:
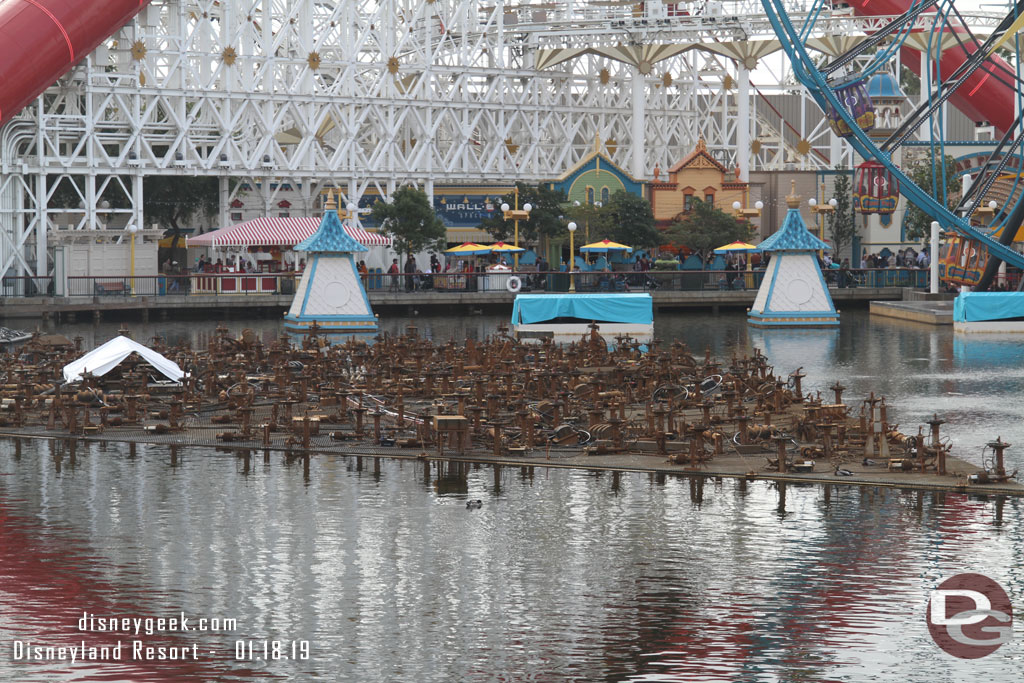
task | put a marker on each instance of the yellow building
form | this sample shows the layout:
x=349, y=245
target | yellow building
x=698, y=175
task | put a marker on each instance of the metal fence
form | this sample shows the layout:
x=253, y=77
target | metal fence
x=259, y=284
x=623, y=281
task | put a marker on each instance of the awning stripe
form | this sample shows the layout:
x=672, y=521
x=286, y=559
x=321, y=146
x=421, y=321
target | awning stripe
x=278, y=232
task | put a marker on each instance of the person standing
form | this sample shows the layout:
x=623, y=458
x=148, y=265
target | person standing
x=393, y=272
x=410, y=273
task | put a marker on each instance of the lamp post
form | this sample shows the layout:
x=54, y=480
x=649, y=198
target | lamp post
x=748, y=214
x=821, y=210
x=133, y=230
x=515, y=214
x=572, y=253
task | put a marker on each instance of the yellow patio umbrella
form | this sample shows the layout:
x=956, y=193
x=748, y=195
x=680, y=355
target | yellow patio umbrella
x=502, y=247
x=469, y=249
x=603, y=247
x=736, y=247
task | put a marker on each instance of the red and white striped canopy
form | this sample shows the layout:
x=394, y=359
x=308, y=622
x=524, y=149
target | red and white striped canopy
x=278, y=232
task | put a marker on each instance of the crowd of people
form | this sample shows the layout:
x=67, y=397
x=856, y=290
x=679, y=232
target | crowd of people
x=904, y=258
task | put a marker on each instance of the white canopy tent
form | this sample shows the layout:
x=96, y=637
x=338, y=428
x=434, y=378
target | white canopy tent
x=105, y=358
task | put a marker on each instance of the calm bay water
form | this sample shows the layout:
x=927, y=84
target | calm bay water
x=560, y=575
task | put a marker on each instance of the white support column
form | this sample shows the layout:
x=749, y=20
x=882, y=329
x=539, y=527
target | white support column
x=224, y=201
x=637, y=121
x=743, y=122
x=933, y=285
x=137, y=199
x=43, y=218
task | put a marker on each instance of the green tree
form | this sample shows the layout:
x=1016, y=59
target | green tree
x=410, y=221
x=588, y=217
x=705, y=228
x=916, y=222
x=627, y=218
x=173, y=201
x=546, y=219
x=842, y=224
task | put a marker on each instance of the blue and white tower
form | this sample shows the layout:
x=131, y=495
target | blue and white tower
x=330, y=293
x=793, y=292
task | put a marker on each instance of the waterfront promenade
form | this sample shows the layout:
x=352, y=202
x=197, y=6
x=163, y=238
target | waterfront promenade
x=465, y=302
x=224, y=294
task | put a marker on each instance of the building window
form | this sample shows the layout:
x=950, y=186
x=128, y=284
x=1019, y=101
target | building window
x=688, y=202
x=604, y=195
x=709, y=199
x=590, y=195
x=236, y=215
x=283, y=214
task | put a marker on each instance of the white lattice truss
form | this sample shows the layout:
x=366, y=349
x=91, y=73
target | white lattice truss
x=381, y=93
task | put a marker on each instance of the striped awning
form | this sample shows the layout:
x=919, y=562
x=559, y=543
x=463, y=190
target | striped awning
x=278, y=232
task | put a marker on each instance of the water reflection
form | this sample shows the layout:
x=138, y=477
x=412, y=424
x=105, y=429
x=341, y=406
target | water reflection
x=559, y=574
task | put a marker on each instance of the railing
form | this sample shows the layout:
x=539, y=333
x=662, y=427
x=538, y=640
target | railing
x=196, y=284
x=632, y=281
x=259, y=284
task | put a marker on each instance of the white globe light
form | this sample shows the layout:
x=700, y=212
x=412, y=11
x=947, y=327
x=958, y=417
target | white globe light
x=104, y=204
x=576, y=202
x=527, y=207
x=133, y=228
x=572, y=227
x=736, y=206
x=504, y=207
x=992, y=204
x=758, y=205
x=812, y=202
x=833, y=202
x=351, y=207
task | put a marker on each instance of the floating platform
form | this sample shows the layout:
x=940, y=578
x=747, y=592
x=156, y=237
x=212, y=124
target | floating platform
x=937, y=312
x=585, y=405
x=567, y=318
x=731, y=465
x=989, y=312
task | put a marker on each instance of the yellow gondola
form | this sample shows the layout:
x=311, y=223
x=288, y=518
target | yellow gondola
x=961, y=260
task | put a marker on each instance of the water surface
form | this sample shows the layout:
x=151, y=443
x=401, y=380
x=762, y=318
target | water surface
x=560, y=575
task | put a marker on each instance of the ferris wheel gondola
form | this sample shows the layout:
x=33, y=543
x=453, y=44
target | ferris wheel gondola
x=959, y=67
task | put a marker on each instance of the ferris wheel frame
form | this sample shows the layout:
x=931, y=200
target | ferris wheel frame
x=812, y=79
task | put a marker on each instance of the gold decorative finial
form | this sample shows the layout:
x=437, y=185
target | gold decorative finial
x=330, y=205
x=792, y=200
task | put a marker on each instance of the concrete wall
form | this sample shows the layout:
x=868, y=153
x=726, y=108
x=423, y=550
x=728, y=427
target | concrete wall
x=103, y=257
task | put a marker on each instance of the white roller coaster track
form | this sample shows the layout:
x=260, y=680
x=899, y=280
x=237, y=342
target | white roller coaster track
x=378, y=93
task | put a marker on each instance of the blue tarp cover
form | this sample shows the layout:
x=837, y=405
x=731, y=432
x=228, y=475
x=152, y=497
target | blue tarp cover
x=617, y=308
x=980, y=306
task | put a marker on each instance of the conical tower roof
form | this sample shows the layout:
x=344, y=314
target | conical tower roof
x=331, y=235
x=793, y=235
